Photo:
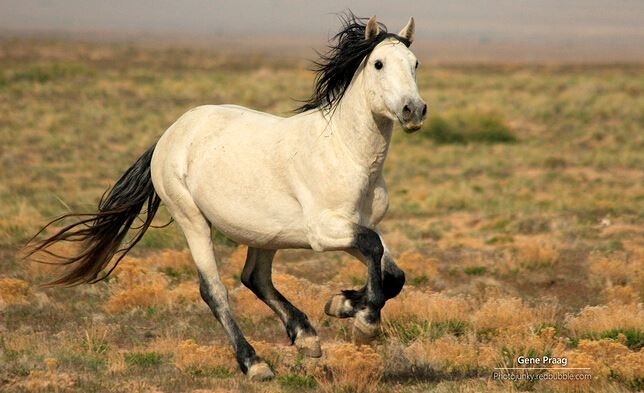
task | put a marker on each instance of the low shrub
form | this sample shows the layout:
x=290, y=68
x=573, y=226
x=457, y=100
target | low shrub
x=468, y=127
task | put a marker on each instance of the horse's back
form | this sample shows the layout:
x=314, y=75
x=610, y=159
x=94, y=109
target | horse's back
x=242, y=109
x=233, y=161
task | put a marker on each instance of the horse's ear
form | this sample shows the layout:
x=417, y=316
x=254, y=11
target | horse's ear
x=408, y=30
x=372, y=28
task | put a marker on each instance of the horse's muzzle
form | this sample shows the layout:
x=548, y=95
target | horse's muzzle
x=414, y=113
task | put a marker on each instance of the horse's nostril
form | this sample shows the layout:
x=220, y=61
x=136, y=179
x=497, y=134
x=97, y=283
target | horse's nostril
x=424, y=109
x=406, y=110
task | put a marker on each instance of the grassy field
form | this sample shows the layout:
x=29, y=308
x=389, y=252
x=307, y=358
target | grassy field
x=517, y=214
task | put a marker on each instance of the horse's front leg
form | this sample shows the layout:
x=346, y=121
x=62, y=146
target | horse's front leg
x=347, y=303
x=333, y=232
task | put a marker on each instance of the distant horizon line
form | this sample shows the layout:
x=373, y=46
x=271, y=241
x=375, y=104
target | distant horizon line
x=455, y=48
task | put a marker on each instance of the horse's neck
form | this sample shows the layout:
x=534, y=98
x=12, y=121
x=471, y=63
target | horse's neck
x=363, y=136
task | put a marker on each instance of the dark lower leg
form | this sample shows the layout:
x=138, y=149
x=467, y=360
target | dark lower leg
x=347, y=303
x=257, y=276
x=369, y=244
x=393, y=278
x=244, y=352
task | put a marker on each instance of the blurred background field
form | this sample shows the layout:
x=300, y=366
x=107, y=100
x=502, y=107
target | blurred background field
x=516, y=213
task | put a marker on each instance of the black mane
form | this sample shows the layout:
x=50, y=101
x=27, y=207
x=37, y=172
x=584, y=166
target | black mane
x=336, y=68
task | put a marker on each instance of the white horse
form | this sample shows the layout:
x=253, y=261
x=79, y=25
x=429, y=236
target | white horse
x=313, y=180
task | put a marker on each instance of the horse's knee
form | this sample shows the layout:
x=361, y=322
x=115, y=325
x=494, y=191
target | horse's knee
x=369, y=244
x=393, y=281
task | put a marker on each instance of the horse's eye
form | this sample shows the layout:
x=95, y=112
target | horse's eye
x=378, y=64
x=416, y=64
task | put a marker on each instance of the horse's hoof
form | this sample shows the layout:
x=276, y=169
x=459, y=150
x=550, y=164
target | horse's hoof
x=364, y=333
x=338, y=306
x=309, y=346
x=260, y=372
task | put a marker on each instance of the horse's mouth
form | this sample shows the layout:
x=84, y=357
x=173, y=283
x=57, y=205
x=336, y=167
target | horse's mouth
x=411, y=127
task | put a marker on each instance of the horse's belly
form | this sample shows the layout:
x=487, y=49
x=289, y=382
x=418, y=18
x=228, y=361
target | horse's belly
x=249, y=206
x=254, y=222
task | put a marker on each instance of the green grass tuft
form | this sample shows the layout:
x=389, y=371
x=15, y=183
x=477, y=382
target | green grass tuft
x=475, y=270
x=43, y=73
x=83, y=361
x=209, y=372
x=143, y=359
x=410, y=329
x=442, y=132
x=634, y=337
x=468, y=127
x=419, y=280
x=296, y=383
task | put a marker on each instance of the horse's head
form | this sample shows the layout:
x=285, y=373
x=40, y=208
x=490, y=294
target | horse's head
x=389, y=76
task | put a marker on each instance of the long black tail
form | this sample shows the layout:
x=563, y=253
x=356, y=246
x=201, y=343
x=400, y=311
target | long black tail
x=103, y=232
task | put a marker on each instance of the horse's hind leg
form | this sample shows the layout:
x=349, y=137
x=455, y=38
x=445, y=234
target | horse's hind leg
x=257, y=277
x=197, y=231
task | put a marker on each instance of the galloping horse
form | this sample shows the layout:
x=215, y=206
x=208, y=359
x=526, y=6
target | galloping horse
x=312, y=181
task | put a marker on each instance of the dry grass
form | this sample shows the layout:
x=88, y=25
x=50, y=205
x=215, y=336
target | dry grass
x=247, y=304
x=452, y=355
x=499, y=314
x=433, y=307
x=419, y=270
x=608, y=360
x=199, y=359
x=350, y=368
x=536, y=254
x=41, y=381
x=597, y=319
x=308, y=297
x=352, y=272
x=171, y=261
x=137, y=287
x=13, y=291
x=615, y=271
x=621, y=294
